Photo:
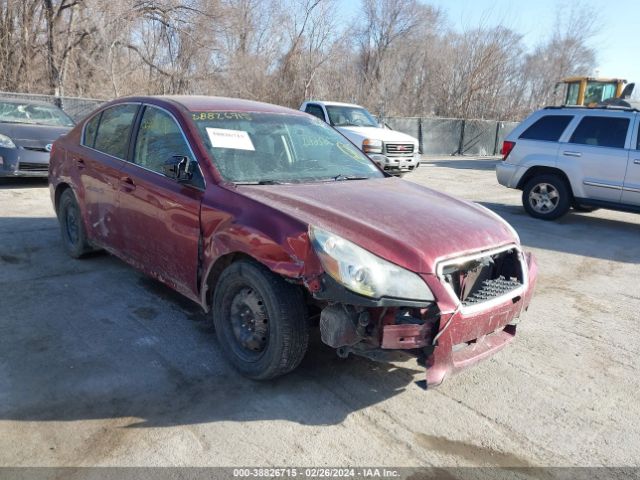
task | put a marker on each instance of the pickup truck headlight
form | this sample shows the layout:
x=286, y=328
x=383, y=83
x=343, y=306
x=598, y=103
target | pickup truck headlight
x=363, y=272
x=371, y=146
x=6, y=142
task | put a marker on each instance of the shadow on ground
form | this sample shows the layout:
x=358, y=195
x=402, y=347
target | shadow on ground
x=7, y=183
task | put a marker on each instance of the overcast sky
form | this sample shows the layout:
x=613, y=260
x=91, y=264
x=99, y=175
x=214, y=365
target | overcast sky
x=617, y=45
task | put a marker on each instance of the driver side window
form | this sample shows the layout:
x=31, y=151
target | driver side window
x=159, y=138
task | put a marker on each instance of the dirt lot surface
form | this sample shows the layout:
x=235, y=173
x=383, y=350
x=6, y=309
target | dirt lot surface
x=102, y=366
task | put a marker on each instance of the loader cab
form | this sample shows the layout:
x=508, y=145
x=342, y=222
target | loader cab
x=591, y=91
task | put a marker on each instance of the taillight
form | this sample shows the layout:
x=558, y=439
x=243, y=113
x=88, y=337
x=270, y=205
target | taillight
x=507, y=146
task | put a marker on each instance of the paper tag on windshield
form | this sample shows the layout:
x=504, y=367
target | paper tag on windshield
x=224, y=138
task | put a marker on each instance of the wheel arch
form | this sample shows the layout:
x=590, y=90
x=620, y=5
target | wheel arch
x=60, y=189
x=213, y=272
x=534, y=171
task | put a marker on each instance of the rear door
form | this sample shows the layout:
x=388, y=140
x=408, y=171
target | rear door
x=162, y=216
x=596, y=155
x=631, y=189
x=98, y=162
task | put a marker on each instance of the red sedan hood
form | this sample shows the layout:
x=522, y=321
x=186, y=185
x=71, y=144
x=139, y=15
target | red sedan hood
x=405, y=223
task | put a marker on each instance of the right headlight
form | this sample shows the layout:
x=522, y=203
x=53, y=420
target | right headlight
x=370, y=145
x=363, y=272
x=6, y=142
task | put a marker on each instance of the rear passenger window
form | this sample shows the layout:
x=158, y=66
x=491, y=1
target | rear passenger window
x=601, y=132
x=115, y=126
x=90, y=130
x=548, y=128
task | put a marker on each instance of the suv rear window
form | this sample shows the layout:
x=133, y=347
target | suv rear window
x=601, y=132
x=548, y=128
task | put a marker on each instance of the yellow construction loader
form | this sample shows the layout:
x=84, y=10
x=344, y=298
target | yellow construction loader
x=592, y=91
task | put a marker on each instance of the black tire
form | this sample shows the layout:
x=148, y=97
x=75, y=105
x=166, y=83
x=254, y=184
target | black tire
x=74, y=234
x=251, y=293
x=584, y=208
x=547, y=197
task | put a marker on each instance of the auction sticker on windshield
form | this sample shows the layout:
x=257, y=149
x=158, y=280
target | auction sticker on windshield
x=224, y=138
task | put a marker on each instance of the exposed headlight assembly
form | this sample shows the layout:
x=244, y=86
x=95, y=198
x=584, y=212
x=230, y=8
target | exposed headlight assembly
x=365, y=273
x=6, y=142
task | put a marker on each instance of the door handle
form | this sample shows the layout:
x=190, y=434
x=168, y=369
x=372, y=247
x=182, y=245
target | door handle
x=127, y=184
x=571, y=154
x=637, y=161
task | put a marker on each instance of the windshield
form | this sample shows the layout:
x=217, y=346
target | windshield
x=276, y=148
x=34, y=114
x=596, y=92
x=350, y=117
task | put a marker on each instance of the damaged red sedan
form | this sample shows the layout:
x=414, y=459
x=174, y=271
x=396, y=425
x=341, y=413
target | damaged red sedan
x=274, y=222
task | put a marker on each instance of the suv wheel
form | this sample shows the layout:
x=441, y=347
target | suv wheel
x=546, y=197
x=260, y=321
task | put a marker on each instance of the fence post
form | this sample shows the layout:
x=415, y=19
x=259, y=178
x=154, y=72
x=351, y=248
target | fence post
x=461, y=144
x=495, y=143
x=420, y=140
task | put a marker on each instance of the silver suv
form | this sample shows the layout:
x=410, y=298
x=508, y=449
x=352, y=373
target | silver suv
x=585, y=158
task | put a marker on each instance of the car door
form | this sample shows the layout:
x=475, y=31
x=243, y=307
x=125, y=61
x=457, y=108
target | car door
x=161, y=214
x=631, y=189
x=596, y=155
x=98, y=162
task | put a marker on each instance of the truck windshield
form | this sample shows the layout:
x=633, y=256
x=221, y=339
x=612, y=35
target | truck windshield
x=341, y=116
x=35, y=114
x=248, y=147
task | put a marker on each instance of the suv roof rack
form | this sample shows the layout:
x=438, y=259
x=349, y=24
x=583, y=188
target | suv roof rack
x=597, y=107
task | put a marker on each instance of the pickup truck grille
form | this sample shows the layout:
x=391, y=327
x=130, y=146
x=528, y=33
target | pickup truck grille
x=399, y=149
x=479, y=279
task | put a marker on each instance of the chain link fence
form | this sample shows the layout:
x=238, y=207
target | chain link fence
x=76, y=107
x=454, y=136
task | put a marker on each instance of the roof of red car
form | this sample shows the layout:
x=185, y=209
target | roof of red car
x=201, y=103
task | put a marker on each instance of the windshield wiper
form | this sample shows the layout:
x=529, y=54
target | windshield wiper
x=260, y=182
x=341, y=177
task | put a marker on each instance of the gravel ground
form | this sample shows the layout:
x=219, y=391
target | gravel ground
x=102, y=366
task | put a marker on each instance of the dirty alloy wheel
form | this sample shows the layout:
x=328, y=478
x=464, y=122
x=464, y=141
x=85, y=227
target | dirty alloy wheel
x=546, y=197
x=260, y=321
x=74, y=236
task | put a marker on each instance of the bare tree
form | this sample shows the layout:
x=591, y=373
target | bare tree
x=397, y=57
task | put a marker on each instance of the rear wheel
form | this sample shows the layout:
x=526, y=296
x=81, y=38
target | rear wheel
x=547, y=197
x=74, y=235
x=260, y=321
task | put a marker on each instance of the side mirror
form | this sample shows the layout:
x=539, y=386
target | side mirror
x=180, y=168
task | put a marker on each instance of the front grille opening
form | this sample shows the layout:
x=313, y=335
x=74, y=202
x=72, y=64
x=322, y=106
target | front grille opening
x=485, y=278
x=33, y=167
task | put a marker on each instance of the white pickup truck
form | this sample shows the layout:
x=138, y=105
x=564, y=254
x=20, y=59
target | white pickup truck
x=395, y=152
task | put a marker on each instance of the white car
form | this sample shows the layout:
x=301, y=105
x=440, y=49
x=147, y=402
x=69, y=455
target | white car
x=393, y=151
